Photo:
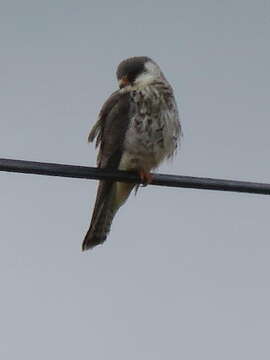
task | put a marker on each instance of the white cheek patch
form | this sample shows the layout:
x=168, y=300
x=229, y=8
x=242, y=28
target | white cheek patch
x=152, y=68
x=152, y=72
x=144, y=78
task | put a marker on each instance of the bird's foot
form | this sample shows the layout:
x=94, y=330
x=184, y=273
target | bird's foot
x=146, y=177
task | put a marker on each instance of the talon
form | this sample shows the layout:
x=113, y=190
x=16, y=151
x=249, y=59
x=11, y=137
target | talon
x=146, y=177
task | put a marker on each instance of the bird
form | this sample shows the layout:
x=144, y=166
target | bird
x=137, y=128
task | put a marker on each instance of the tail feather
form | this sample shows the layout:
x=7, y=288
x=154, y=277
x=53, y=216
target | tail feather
x=109, y=198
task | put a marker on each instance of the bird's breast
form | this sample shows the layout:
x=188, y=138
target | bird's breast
x=153, y=129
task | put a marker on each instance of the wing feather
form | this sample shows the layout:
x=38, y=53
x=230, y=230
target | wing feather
x=110, y=128
x=109, y=132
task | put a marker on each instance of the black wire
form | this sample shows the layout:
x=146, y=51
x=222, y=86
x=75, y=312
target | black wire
x=84, y=172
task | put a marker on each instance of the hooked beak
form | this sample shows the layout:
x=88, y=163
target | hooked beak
x=123, y=82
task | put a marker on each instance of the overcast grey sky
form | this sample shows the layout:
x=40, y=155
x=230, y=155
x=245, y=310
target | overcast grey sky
x=184, y=273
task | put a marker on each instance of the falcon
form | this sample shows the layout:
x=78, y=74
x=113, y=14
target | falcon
x=138, y=127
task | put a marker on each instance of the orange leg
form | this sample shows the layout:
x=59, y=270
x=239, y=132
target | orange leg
x=146, y=177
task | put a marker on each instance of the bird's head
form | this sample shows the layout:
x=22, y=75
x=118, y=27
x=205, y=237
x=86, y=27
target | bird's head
x=137, y=71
